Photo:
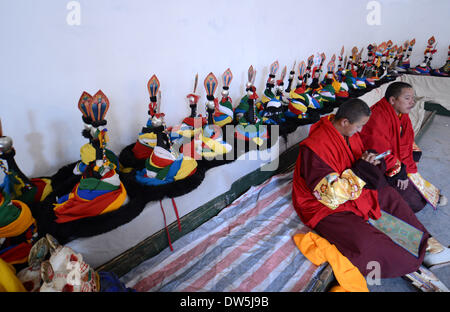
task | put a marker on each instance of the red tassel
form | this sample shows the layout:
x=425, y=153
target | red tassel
x=176, y=213
x=165, y=225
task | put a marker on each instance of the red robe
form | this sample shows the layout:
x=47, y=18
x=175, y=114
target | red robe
x=384, y=131
x=328, y=144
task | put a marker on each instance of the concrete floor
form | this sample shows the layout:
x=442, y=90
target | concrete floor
x=434, y=166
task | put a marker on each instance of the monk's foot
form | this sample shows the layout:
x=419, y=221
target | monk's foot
x=426, y=281
x=442, y=200
x=436, y=255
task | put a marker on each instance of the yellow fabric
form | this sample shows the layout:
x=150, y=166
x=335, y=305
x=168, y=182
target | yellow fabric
x=188, y=164
x=223, y=122
x=9, y=282
x=258, y=141
x=296, y=96
x=150, y=139
x=117, y=203
x=47, y=189
x=214, y=145
x=428, y=190
x=186, y=133
x=318, y=250
x=300, y=106
x=334, y=190
x=18, y=226
x=87, y=153
x=18, y=187
x=103, y=138
x=336, y=85
x=265, y=99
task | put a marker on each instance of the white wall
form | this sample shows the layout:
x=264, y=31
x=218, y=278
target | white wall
x=46, y=63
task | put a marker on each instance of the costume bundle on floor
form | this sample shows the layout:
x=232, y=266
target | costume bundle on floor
x=102, y=191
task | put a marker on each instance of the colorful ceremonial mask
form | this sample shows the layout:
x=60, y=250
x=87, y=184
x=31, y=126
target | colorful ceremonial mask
x=100, y=189
x=328, y=91
x=224, y=110
x=154, y=132
x=268, y=91
x=301, y=84
x=279, y=93
x=297, y=106
x=164, y=163
x=247, y=114
x=291, y=79
x=425, y=67
x=272, y=112
x=192, y=124
x=408, y=46
x=212, y=143
x=302, y=94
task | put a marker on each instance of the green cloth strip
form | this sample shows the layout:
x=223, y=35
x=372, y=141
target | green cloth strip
x=399, y=231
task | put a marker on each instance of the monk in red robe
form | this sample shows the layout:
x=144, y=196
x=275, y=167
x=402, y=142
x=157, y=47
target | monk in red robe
x=338, y=186
x=390, y=128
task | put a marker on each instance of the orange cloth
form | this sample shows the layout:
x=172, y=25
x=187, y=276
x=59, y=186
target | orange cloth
x=318, y=250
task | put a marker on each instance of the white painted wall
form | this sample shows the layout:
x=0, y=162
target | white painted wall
x=46, y=63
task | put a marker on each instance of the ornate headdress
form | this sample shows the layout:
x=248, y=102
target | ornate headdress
x=153, y=90
x=210, y=84
x=272, y=73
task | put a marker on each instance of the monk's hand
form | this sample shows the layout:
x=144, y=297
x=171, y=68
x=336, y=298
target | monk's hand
x=370, y=158
x=402, y=184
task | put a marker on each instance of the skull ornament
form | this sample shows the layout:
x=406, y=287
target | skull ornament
x=66, y=271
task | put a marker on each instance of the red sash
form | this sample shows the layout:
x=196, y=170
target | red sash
x=327, y=143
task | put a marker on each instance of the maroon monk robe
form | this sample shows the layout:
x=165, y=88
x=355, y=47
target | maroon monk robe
x=326, y=142
x=356, y=239
x=384, y=131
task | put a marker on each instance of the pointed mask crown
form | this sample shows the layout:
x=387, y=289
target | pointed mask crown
x=84, y=105
x=210, y=84
x=153, y=89
x=98, y=109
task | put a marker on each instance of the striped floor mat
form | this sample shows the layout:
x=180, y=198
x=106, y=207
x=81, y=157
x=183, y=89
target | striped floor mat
x=248, y=246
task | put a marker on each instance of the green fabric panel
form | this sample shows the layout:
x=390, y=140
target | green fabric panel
x=95, y=184
x=8, y=211
x=162, y=173
x=28, y=195
x=402, y=233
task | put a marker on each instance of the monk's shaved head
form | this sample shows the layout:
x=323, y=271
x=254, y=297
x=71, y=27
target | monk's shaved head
x=353, y=110
x=395, y=89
